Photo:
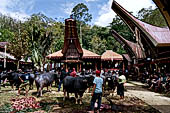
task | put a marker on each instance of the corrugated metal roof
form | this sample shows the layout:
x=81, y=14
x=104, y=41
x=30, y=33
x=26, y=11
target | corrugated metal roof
x=133, y=47
x=126, y=56
x=159, y=36
x=110, y=55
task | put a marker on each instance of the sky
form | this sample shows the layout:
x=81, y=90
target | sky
x=101, y=11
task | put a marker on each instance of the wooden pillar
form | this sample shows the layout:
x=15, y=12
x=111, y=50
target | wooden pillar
x=123, y=66
x=85, y=64
x=95, y=65
x=101, y=65
x=80, y=66
x=66, y=65
x=55, y=65
x=77, y=67
x=50, y=66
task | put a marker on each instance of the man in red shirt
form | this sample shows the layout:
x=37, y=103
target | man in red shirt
x=73, y=73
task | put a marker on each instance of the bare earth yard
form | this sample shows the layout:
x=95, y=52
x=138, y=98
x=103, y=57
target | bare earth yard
x=52, y=102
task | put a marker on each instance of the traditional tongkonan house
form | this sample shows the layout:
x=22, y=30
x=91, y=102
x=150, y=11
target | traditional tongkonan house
x=154, y=41
x=135, y=55
x=133, y=50
x=72, y=55
x=111, y=60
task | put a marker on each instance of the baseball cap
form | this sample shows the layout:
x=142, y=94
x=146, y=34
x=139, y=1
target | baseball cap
x=97, y=72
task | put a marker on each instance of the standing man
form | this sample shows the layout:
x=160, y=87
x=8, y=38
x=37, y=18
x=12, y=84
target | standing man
x=121, y=82
x=62, y=76
x=24, y=78
x=97, y=92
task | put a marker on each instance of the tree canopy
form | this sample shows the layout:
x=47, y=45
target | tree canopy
x=40, y=35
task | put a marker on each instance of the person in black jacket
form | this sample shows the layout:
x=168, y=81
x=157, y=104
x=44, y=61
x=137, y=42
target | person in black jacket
x=62, y=76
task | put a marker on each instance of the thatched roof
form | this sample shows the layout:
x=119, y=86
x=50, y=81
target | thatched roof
x=89, y=54
x=55, y=55
x=110, y=55
x=86, y=55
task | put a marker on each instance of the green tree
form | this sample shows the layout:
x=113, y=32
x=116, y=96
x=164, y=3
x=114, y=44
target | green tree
x=42, y=31
x=152, y=16
x=119, y=26
x=98, y=45
x=18, y=46
x=80, y=13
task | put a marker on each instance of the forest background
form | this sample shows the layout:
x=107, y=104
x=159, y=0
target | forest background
x=39, y=35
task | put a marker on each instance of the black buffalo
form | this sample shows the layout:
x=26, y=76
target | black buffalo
x=44, y=80
x=76, y=85
x=13, y=78
x=31, y=80
x=110, y=81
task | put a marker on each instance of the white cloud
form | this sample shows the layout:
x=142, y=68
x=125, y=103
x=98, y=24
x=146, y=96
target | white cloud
x=16, y=8
x=106, y=14
x=67, y=7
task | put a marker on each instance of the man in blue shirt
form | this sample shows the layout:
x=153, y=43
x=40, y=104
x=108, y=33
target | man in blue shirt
x=97, y=92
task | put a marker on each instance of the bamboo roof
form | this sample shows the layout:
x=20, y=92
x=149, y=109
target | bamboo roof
x=110, y=55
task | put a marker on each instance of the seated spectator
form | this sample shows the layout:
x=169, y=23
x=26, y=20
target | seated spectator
x=167, y=84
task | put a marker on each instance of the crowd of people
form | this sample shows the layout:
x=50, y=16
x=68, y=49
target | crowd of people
x=158, y=80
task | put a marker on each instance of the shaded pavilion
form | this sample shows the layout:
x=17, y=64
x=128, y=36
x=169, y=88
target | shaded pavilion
x=163, y=6
x=110, y=59
x=72, y=54
x=154, y=41
x=89, y=59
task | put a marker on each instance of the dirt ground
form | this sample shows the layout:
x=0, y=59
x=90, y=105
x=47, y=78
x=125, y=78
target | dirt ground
x=52, y=102
x=157, y=100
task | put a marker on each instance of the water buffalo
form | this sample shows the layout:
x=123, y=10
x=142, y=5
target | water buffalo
x=31, y=80
x=13, y=78
x=76, y=85
x=110, y=81
x=44, y=80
